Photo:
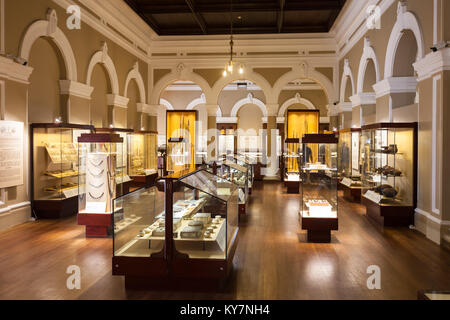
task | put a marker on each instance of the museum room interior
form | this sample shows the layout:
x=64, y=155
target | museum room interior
x=297, y=146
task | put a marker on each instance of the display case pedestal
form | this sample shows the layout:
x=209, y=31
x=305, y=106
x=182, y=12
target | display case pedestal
x=98, y=225
x=388, y=215
x=242, y=208
x=50, y=209
x=352, y=194
x=293, y=186
x=144, y=181
x=319, y=229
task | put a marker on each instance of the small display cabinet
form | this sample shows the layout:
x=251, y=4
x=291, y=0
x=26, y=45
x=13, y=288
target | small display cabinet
x=180, y=140
x=239, y=175
x=318, y=195
x=291, y=175
x=389, y=172
x=244, y=161
x=349, y=163
x=182, y=240
x=100, y=175
x=54, y=168
x=143, y=158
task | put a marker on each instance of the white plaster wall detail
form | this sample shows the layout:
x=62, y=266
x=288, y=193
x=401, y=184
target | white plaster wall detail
x=368, y=54
x=166, y=104
x=202, y=100
x=347, y=74
x=136, y=75
x=49, y=29
x=249, y=100
x=406, y=20
x=76, y=89
x=102, y=57
x=297, y=99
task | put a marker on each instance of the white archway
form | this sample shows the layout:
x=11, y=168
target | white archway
x=249, y=100
x=166, y=104
x=136, y=75
x=104, y=59
x=202, y=100
x=295, y=100
x=368, y=54
x=346, y=75
x=406, y=20
x=49, y=29
x=303, y=71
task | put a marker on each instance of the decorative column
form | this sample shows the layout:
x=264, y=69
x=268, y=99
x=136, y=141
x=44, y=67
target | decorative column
x=363, y=109
x=152, y=117
x=117, y=111
x=212, y=132
x=75, y=97
x=272, y=164
x=344, y=111
x=333, y=116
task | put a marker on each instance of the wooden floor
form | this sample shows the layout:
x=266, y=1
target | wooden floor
x=272, y=261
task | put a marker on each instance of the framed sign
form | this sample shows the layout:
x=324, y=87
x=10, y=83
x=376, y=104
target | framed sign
x=11, y=154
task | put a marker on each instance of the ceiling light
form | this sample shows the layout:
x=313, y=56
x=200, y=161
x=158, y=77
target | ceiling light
x=241, y=69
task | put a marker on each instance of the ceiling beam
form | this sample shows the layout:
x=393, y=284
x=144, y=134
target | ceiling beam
x=148, y=19
x=197, y=16
x=281, y=16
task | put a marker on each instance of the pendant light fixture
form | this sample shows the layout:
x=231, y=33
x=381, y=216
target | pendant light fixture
x=230, y=65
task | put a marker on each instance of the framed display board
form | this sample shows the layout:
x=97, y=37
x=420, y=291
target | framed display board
x=11, y=154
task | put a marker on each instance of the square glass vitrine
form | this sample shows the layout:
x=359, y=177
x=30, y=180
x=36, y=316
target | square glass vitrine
x=349, y=163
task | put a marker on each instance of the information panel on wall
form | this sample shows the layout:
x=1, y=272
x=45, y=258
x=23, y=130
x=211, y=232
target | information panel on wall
x=11, y=154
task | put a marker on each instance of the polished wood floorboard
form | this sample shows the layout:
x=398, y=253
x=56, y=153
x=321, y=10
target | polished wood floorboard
x=272, y=261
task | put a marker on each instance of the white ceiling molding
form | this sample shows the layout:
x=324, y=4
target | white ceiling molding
x=363, y=98
x=13, y=71
x=433, y=63
x=117, y=101
x=406, y=20
x=136, y=75
x=295, y=100
x=49, y=28
x=76, y=89
x=395, y=85
x=249, y=100
x=166, y=104
x=250, y=87
x=104, y=59
x=226, y=120
x=344, y=81
x=368, y=54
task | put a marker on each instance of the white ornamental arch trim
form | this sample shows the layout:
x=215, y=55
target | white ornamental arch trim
x=180, y=73
x=368, y=54
x=249, y=75
x=297, y=99
x=166, y=104
x=249, y=100
x=202, y=100
x=406, y=20
x=134, y=74
x=102, y=57
x=303, y=71
x=344, y=81
x=49, y=29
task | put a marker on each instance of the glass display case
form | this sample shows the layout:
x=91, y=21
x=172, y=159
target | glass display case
x=244, y=161
x=180, y=140
x=389, y=172
x=318, y=195
x=143, y=158
x=291, y=174
x=349, y=163
x=239, y=175
x=187, y=232
x=54, y=168
x=100, y=177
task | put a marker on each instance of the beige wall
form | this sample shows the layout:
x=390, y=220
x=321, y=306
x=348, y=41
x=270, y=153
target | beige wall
x=317, y=97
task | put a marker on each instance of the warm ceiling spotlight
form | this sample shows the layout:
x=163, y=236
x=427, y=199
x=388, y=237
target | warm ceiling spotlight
x=224, y=73
x=241, y=69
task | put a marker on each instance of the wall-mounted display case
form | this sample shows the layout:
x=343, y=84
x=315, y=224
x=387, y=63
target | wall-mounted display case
x=54, y=168
x=143, y=158
x=100, y=177
x=291, y=175
x=239, y=175
x=318, y=190
x=189, y=235
x=180, y=140
x=349, y=163
x=389, y=172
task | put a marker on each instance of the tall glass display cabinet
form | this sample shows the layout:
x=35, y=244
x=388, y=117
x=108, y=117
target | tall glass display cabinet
x=126, y=182
x=292, y=165
x=349, y=163
x=318, y=190
x=143, y=158
x=54, y=168
x=244, y=161
x=186, y=238
x=100, y=177
x=237, y=174
x=389, y=172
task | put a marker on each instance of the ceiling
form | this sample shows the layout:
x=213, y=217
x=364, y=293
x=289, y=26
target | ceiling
x=203, y=17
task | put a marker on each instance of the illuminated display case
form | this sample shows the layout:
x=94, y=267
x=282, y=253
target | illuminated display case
x=226, y=139
x=244, y=161
x=291, y=175
x=100, y=165
x=143, y=158
x=239, y=175
x=190, y=233
x=318, y=190
x=389, y=172
x=349, y=163
x=180, y=140
x=54, y=168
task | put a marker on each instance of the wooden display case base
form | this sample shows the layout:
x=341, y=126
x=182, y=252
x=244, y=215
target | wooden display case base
x=293, y=186
x=144, y=181
x=352, y=194
x=319, y=229
x=98, y=225
x=242, y=207
x=389, y=216
x=55, y=209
